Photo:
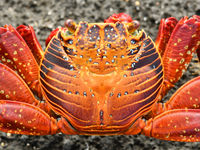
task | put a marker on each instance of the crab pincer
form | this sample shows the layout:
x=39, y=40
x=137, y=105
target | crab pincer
x=177, y=46
x=29, y=36
x=16, y=54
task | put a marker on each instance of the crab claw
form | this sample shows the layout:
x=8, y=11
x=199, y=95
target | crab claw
x=178, y=47
x=165, y=30
x=9, y=80
x=29, y=36
x=121, y=17
x=15, y=53
x=198, y=49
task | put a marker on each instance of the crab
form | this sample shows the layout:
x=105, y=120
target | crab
x=100, y=79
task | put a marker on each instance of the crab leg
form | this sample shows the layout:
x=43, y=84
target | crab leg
x=17, y=115
x=175, y=125
x=15, y=53
x=20, y=112
x=183, y=42
x=22, y=118
x=179, y=118
x=13, y=87
x=186, y=97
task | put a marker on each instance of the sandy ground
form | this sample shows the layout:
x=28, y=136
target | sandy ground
x=45, y=15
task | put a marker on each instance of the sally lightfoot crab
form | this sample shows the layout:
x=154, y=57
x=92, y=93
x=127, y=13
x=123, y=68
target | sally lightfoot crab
x=100, y=79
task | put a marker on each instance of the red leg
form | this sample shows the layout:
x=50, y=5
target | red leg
x=179, y=118
x=29, y=36
x=175, y=125
x=16, y=112
x=15, y=53
x=183, y=42
x=13, y=87
x=186, y=97
x=165, y=30
x=22, y=118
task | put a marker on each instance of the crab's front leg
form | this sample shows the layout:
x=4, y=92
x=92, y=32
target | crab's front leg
x=175, y=125
x=23, y=118
x=20, y=112
x=176, y=120
x=177, y=42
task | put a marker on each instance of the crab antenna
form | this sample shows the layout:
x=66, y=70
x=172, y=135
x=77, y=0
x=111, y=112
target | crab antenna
x=71, y=25
x=132, y=26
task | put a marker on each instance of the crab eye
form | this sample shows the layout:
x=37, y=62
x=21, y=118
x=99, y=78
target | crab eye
x=134, y=25
x=71, y=25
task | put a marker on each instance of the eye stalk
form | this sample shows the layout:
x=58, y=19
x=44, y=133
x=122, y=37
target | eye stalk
x=69, y=30
x=132, y=26
x=71, y=25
